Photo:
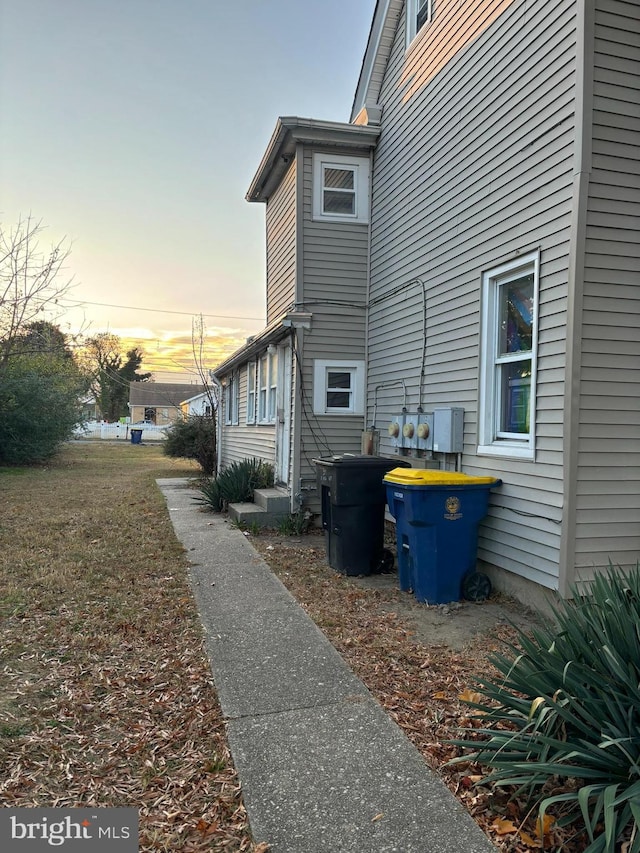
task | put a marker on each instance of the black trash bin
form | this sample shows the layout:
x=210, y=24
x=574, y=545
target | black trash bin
x=353, y=498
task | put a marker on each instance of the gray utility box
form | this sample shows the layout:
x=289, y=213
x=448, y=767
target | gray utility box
x=448, y=425
x=353, y=498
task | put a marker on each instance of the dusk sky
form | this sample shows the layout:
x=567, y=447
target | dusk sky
x=134, y=128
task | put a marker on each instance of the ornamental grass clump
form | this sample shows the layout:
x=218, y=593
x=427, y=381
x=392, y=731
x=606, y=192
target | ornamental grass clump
x=563, y=724
x=236, y=484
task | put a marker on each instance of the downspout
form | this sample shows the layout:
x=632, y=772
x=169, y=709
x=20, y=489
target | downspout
x=368, y=296
x=585, y=49
x=218, y=385
x=297, y=335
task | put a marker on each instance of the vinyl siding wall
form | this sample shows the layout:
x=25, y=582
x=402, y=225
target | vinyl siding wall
x=334, y=269
x=281, y=246
x=608, y=487
x=246, y=441
x=474, y=166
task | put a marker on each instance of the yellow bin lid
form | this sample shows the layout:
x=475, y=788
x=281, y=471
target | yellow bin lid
x=430, y=477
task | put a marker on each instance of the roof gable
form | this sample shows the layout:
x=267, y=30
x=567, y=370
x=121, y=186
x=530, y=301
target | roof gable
x=383, y=29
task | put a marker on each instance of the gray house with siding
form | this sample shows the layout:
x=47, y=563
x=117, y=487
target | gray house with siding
x=297, y=390
x=492, y=293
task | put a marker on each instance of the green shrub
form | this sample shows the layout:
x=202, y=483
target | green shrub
x=236, y=484
x=39, y=408
x=567, y=713
x=194, y=438
x=295, y=524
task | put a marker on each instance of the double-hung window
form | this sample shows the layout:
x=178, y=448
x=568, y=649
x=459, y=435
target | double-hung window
x=508, y=359
x=251, y=392
x=338, y=387
x=232, y=399
x=267, y=388
x=419, y=13
x=340, y=188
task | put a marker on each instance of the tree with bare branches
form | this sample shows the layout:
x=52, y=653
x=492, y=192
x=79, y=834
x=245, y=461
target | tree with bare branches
x=32, y=281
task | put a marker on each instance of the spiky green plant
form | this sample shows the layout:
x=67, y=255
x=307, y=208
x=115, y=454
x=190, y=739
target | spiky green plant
x=294, y=524
x=567, y=711
x=236, y=484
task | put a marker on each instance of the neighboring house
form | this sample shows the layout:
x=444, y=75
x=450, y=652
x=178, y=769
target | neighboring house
x=199, y=404
x=89, y=409
x=498, y=274
x=159, y=402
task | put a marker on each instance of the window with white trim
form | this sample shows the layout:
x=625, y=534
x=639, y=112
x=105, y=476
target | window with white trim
x=251, y=392
x=340, y=188
x=419, y=13
x=267, y=387
x=232, y=399
x=338, y=387
x=506, y=423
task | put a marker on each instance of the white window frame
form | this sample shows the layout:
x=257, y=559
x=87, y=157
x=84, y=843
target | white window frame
x=414, y=7
x=360, y=168
x=321, y=370
x=266, y=393
x=252, y=407
x=232, y=399
x=492, y=441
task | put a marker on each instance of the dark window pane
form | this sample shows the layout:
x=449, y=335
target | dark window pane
x=338, y=380
x=338, y=179
x=516, y=393
x=339, y=202
x=338, y=399
x=423, y=13
x=516, y=316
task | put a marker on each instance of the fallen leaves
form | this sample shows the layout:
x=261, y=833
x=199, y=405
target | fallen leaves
x=107, y=697
x=423, y=687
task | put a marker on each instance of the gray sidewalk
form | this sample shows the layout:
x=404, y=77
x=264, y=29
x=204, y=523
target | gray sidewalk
x=323, y=768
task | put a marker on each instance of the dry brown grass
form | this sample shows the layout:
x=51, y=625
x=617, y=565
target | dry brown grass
x=106, y=697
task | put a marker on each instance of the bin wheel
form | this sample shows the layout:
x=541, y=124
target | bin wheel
x=386, y=563
x=476, y=586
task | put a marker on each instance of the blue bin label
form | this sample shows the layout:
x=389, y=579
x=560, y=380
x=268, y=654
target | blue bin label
x=398, y=495
x=452, y=506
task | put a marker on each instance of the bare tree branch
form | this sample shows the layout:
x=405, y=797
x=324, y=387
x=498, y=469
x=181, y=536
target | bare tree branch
x=30, y=280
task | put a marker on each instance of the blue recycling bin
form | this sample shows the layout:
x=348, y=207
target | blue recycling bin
x=136, y=436
x=437, y=515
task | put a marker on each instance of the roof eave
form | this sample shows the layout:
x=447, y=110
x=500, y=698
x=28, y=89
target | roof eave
x=385, y=19
x=291, y=130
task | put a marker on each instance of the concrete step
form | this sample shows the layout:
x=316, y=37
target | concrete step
x=251, y=513
x=273, y=500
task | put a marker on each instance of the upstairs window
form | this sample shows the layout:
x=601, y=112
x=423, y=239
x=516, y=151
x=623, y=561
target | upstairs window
x=508, y=359
x=419, y=13
x=340, y=188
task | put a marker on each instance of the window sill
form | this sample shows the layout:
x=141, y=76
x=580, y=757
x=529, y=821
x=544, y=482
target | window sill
x=506, y=451
x=338, y=219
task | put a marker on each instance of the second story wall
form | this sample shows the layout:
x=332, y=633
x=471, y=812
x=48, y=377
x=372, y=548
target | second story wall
x=473, y=169
x=608, y=471
x=334, y=290
x=281, y=246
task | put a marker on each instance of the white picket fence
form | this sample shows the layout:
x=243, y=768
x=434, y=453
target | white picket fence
x=115, y=432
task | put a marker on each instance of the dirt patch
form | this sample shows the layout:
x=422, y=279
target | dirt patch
x=454, y=625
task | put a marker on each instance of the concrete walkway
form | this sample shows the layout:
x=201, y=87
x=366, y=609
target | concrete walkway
x=323, y=768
